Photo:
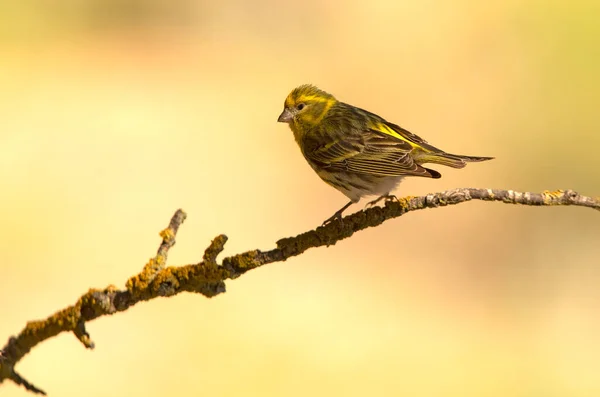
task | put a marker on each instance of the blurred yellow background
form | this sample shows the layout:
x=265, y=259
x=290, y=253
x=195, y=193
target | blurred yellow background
x=116, y=113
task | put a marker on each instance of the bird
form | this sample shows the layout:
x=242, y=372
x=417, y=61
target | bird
x=358, y=152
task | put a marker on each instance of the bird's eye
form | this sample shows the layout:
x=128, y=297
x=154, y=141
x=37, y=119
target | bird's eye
x=300, y=106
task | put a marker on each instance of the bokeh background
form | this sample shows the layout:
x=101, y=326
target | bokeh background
x=114, y=113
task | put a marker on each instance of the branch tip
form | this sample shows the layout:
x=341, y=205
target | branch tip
x=217, y=245
x=83, y=336
x=19, y=380
x=158, y=263
x=7, y=371
x=168, y=234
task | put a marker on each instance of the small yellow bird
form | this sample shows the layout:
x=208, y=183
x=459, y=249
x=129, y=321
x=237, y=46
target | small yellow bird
x=356, y=151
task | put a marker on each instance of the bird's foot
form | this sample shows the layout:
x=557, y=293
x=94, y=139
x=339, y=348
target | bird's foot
x=338, y=215
x=334, y=217
x=387, y=197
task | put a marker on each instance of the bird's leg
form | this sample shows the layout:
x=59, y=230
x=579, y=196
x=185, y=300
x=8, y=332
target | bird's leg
x=338, y=214
x=388, y=197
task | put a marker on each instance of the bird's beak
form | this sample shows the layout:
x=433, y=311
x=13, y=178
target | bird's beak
x=285, y=116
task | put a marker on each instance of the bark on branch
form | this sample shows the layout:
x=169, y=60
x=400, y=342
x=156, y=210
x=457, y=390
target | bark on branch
x=208, y=277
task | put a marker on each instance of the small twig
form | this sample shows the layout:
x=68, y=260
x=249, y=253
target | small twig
x=137, y=285
x=7, y=371
x=169, y=234
x=19, y=380
x=207, y=277
x=83, y=336
x=214, y=249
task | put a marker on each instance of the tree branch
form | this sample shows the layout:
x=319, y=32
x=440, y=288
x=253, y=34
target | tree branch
x=208, y=277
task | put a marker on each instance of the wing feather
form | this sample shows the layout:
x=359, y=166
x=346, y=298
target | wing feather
x=369, y=152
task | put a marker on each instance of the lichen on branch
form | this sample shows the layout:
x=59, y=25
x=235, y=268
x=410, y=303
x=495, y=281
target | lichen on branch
x=208, y=276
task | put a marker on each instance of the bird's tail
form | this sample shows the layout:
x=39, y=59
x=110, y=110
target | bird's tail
x=451, y=160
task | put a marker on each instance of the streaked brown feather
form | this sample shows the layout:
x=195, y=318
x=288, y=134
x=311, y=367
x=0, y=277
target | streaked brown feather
x=369, y=152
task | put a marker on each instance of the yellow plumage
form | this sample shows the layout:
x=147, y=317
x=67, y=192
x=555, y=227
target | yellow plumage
x=356, y=151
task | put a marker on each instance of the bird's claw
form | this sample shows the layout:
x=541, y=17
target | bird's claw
x=390, y=197
x=338, y=215
x=333, y=218
x=386, y=197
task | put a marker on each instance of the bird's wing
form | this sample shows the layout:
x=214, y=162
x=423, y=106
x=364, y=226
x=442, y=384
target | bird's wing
x=369, y=152
x=377, y=123
x=400, y=133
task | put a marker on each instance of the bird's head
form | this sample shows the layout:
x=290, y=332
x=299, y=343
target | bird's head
x=306, y=106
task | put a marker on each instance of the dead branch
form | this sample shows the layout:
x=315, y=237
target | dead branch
x=208, y=277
